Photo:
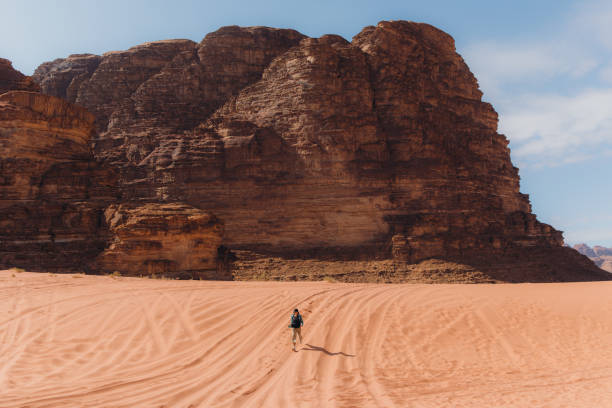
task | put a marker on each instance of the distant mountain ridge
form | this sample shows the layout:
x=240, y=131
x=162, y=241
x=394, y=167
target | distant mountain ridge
x=602, y=256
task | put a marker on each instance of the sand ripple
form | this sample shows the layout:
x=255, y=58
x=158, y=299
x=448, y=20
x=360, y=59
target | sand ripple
x=85, y=341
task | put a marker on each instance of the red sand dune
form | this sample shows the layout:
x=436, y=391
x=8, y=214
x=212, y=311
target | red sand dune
x=92, y=341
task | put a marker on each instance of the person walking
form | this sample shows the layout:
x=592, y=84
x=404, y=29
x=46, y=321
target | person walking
x=296, y=324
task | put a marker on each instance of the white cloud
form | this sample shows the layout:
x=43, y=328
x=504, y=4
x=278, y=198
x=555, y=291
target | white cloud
x=498, y=65
x=553, y=92
x=554, y=129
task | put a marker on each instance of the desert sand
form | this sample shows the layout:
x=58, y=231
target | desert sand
x=99, y=341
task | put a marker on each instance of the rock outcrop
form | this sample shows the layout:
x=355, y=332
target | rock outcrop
x=378, y=148
x=162, y=87
x=13, y=80
x=172, y=240
x=600, y=255
x=52, y=191
x=55, y=197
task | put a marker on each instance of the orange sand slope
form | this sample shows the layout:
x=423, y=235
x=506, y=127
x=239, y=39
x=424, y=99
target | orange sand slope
x=92, y=341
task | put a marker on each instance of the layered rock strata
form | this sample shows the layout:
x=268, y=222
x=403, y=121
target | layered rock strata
x=172, y=240
x=52, y=191
x=13, y=80
x=54, y=198
x=378, y=148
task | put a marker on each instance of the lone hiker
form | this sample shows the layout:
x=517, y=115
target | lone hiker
x=296, y=327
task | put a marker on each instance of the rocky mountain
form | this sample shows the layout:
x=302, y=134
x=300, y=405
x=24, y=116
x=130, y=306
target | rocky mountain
x=52, y=191
x=378, y=149
x=586, y=250
x=601, y=256
x=57, y=203
x=602, y=251
x=13, y=80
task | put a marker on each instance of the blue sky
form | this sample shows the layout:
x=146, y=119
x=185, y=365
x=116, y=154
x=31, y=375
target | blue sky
x=546, y=67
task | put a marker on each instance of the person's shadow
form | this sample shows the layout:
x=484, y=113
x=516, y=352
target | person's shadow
x=322, y=350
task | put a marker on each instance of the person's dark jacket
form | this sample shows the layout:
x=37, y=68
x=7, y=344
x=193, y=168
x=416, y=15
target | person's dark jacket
x=296, y=321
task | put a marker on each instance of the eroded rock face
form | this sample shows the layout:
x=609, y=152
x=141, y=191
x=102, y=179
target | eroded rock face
x=173, y=240
x=63, y=76
x=161, y=87
x=13, y=80
x=54, y=197
x=454, y=187
x=379, y=148
x=52, y=191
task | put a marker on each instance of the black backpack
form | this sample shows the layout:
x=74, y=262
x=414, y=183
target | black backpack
x=295, y=321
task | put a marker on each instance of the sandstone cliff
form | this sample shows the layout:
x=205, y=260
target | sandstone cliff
x=54, y=197
x=378, y=148
x=171, y=240
x=52, y=192
x=13, y=80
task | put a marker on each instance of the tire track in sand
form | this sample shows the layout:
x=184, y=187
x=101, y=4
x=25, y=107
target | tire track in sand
x=238, y=352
